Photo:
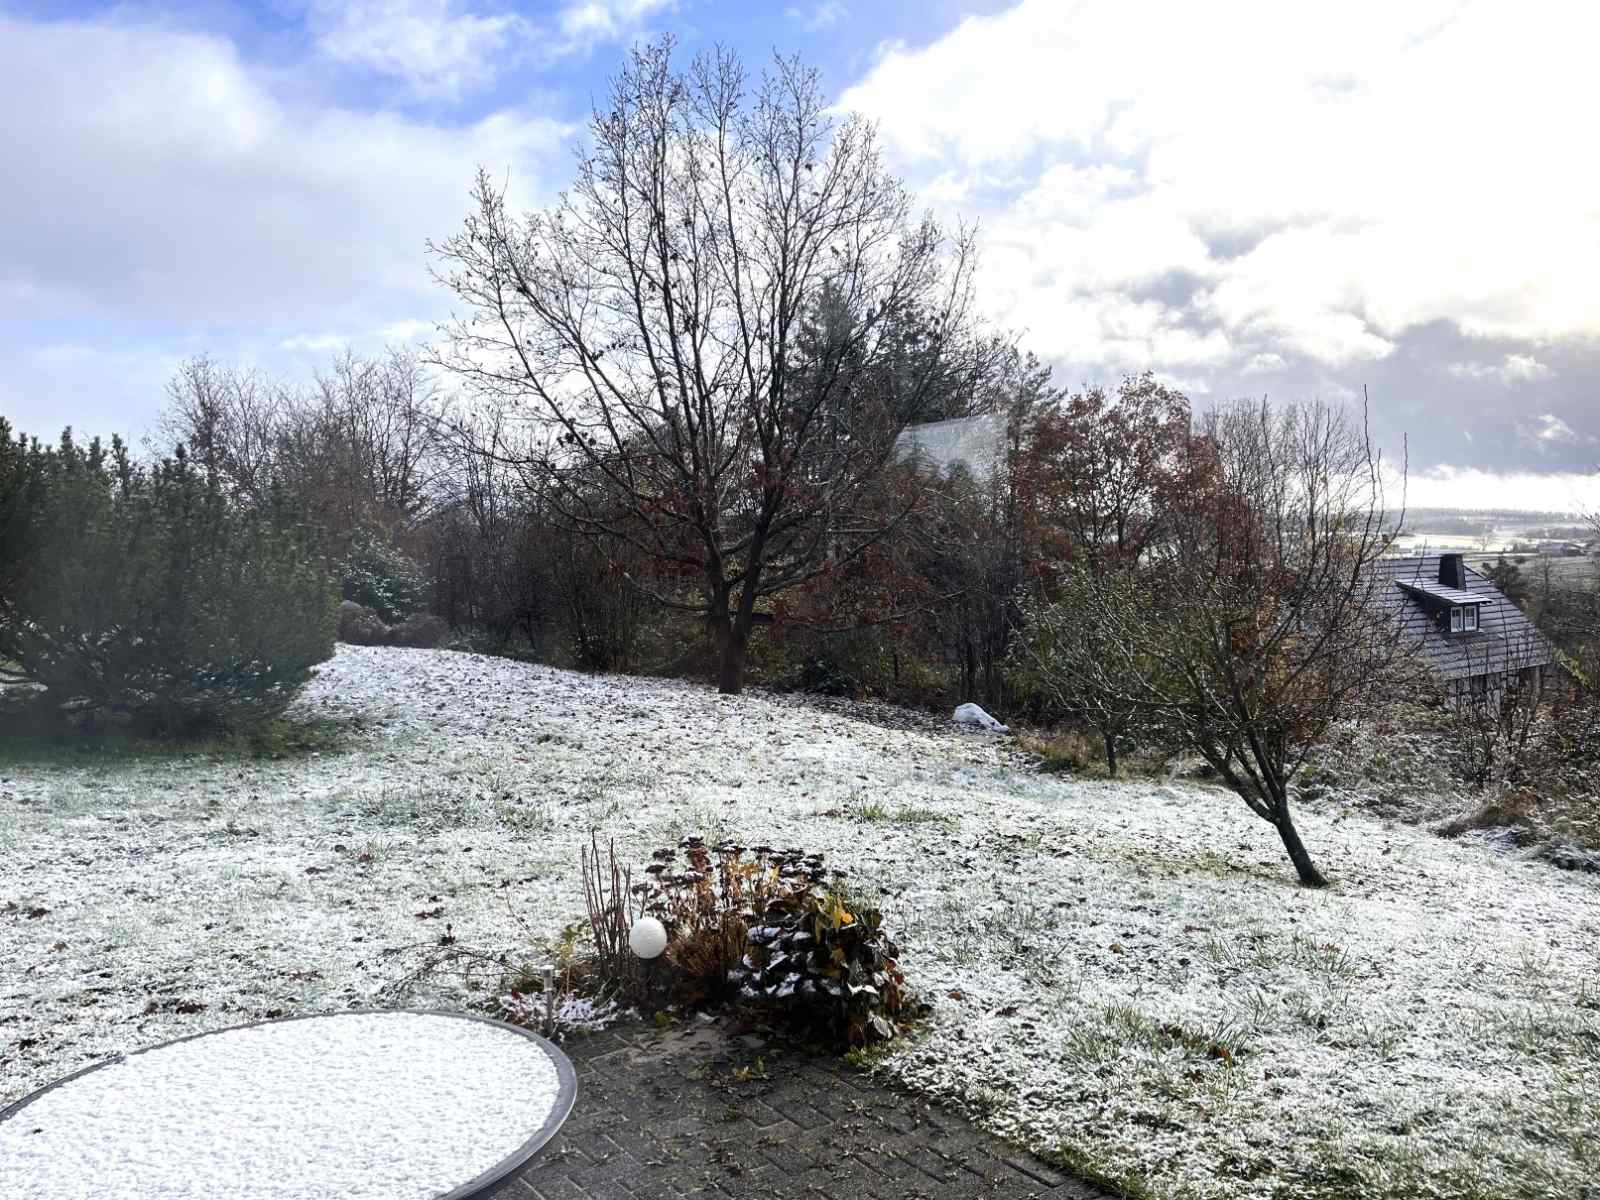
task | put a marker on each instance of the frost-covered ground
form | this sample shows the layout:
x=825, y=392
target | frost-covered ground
x=1124, y=972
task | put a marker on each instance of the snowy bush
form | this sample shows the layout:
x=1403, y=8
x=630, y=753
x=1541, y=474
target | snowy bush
x=825, y=964
x=377, y=576
x=360, y=626
x=147, y=597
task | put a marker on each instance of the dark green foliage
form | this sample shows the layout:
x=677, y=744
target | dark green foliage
x=1513, y=584
x=145, y=597
x=828, y=675
x=420, y=631
x=822, y=961
x=377, y=576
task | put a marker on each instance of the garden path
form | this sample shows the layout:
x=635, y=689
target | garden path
x=706, y=1111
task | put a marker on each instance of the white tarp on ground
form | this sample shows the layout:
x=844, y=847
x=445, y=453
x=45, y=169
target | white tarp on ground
x=971, y=714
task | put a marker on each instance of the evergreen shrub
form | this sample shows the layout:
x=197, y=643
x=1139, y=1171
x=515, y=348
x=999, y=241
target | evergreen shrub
x=377, y=576
x=144, y=596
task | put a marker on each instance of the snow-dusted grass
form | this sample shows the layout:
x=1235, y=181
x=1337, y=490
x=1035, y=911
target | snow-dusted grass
x=374, y=1106
x=1124, y=973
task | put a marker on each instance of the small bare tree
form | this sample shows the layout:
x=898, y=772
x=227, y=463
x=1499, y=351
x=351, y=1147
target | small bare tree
x=1257, y=621
x=1078, y=659
x=728, y=319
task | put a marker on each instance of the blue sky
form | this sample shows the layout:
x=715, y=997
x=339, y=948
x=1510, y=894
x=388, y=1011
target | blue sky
x=1249, y=198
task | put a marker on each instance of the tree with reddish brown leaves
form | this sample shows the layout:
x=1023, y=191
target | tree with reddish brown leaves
x=1097, y=472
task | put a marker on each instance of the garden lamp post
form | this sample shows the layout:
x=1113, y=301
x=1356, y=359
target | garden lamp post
x=648, y=939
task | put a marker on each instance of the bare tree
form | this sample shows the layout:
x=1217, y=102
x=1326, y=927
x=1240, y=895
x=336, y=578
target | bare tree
x=1256, y=622
x=358, y=450
x=728, y=318
x=1494, y=714
x=229, y=419
x=361, y=447
x=1075, y=659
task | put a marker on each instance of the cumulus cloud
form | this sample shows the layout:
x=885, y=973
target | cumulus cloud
x=432, y=45
x=443, y=50
x=182, y=188
x=1513, y=368
x=1448, y=486
x=817, y=17
x=1328, y=180
x=1547, y=429
x=585, y=22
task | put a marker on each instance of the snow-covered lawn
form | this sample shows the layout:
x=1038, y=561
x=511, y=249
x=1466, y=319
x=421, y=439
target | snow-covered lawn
x=1122, y=972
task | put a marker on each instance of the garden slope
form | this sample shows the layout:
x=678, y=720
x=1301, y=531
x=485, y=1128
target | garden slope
x=1122, y=972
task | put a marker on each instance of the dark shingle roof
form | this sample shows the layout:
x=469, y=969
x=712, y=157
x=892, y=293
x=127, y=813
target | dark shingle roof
x=1446, y=595
x=1504, y=641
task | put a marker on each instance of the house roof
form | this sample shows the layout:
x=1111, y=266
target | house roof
x=1447, y=595
x=976, y=443
x=1505, y=639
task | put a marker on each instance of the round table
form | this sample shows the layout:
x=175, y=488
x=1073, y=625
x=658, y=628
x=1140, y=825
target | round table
x=395, y=1105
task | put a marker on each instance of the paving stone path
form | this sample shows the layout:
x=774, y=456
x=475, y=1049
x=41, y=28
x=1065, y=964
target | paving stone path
x=703, y=1112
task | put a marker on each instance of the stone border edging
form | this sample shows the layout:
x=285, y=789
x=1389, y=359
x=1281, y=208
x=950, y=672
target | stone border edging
x=473, y=1189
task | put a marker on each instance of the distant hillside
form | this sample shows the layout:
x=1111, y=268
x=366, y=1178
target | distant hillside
x=1465, y=522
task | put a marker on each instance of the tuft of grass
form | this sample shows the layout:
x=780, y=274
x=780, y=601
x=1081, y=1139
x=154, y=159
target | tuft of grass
x=875, y=812
x=1064, y=751
x=1101, y=1172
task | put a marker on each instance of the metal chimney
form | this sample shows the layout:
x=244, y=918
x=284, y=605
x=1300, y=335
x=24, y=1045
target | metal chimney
x=1452, y=571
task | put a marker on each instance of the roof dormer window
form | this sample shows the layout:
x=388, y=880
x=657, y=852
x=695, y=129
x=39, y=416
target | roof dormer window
x=1463, y=618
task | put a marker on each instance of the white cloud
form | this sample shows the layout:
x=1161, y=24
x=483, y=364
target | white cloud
x=1325, y=179
x=818, y=17
x=1513, y=368
x=585, y=22
x=1449, y=486
x=1260, y=364
x=407, y=331
x=315, y=343
x=182, y=189
x=1545, y=430
x=441, y=49
x=436, y=49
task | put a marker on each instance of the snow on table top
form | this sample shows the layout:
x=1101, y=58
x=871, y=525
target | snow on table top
x=371, y=1106
x=1441, y=1000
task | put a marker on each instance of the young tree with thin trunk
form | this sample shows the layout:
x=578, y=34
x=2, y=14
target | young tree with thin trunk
x=1255, y=622
x=727, y=319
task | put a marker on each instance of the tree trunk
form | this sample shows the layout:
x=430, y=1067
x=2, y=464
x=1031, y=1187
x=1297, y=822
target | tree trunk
x=1304, y=867
x=730, y=670
x=1111, y=754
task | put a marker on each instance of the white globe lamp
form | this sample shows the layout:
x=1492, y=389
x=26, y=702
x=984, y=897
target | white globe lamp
x=647, y=938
